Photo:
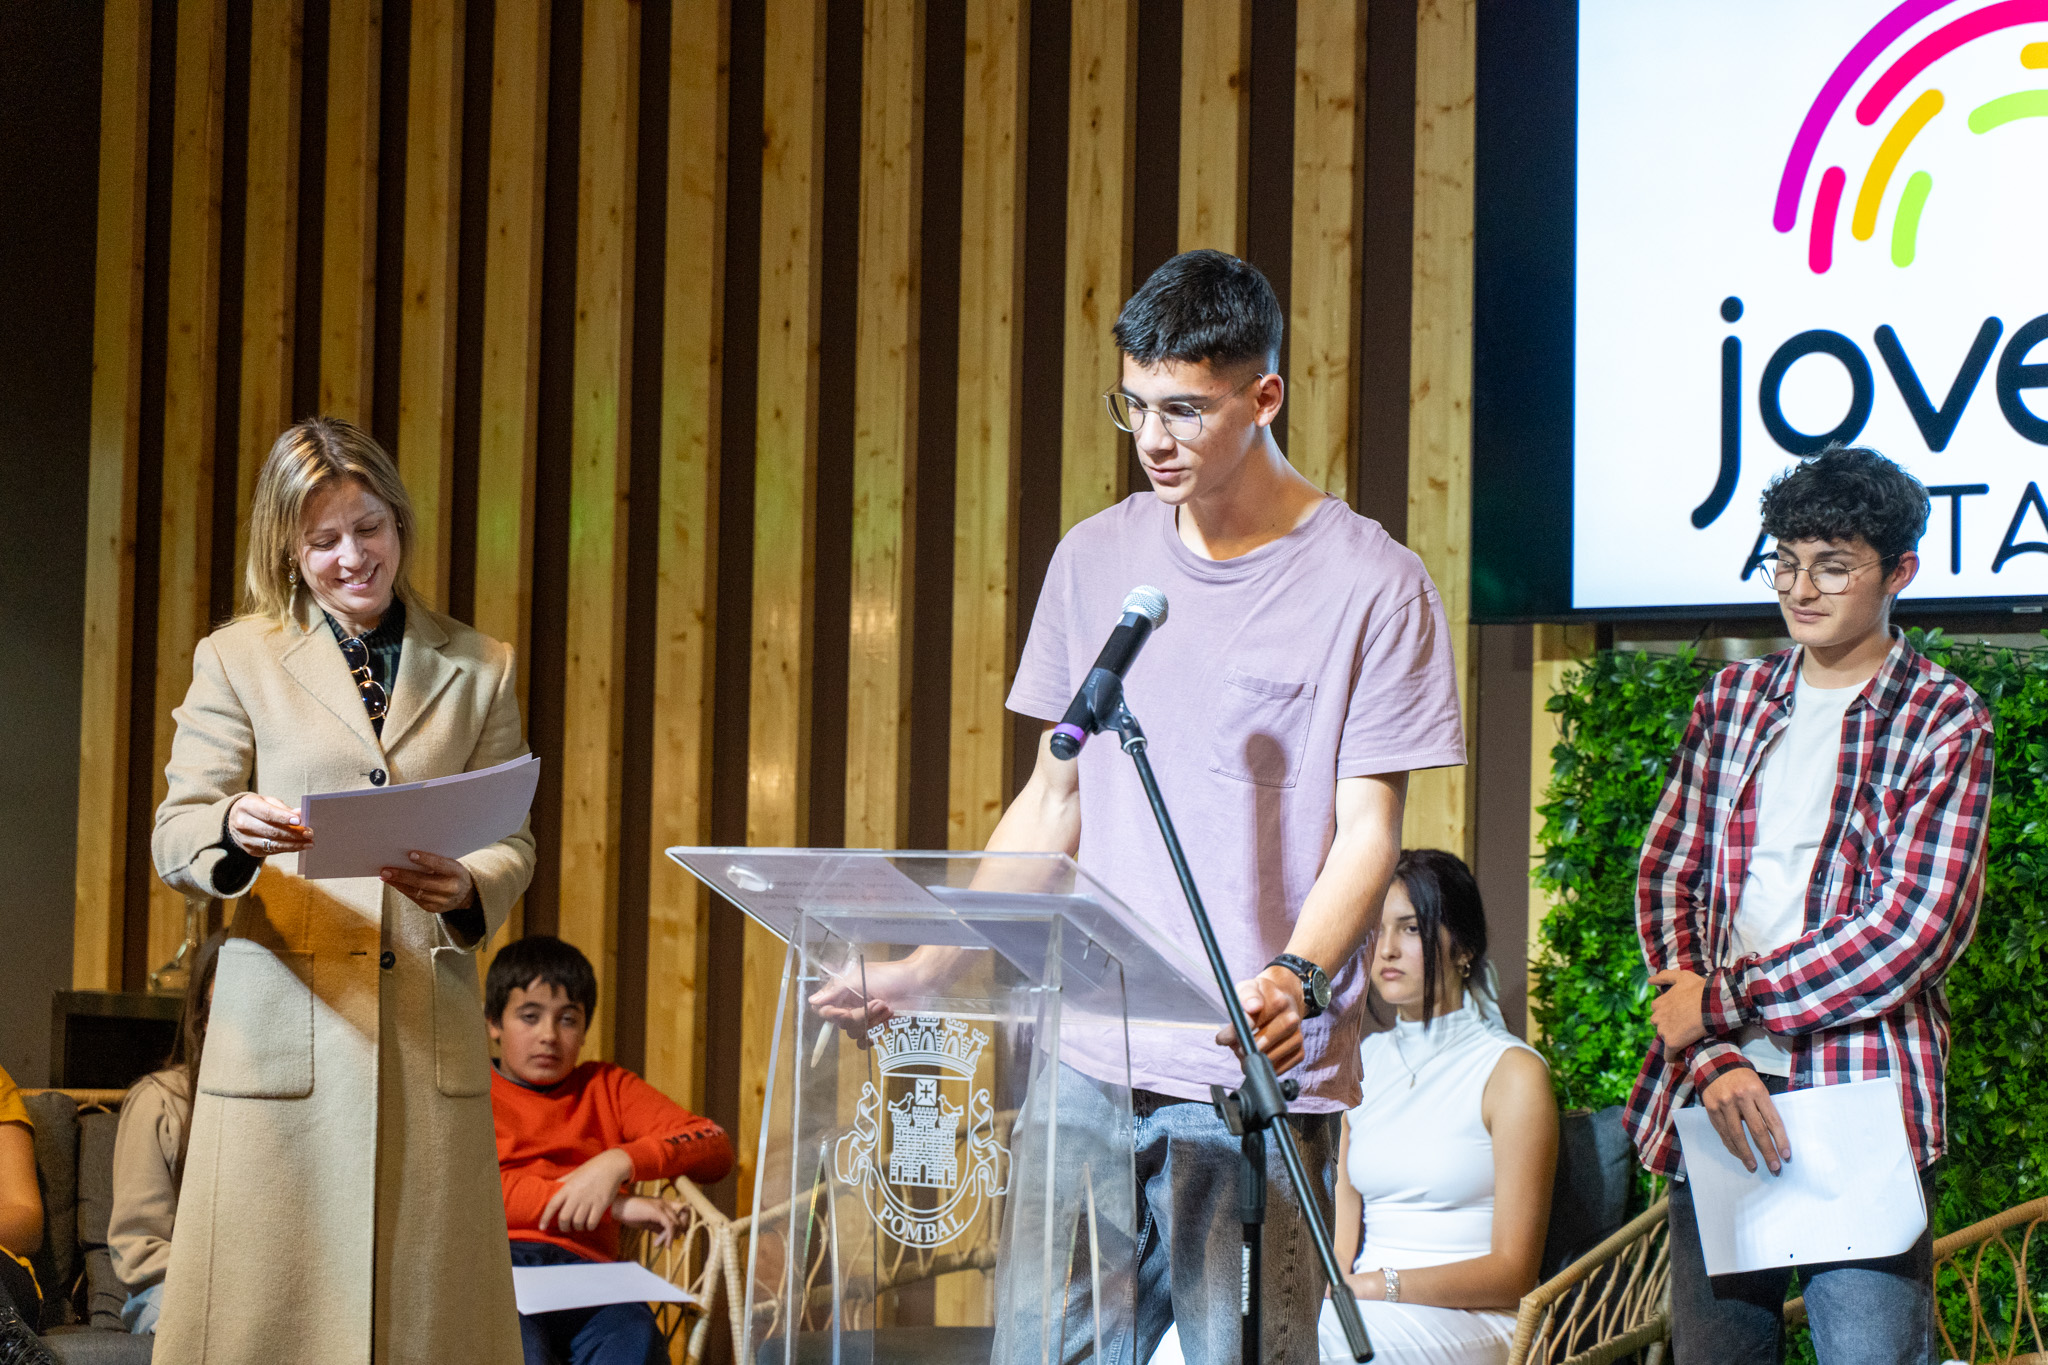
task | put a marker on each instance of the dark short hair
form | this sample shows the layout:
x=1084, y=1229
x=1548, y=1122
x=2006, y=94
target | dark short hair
x=539, y=960
x=1446, y=899
x=1202, y=306
x=1848, y=491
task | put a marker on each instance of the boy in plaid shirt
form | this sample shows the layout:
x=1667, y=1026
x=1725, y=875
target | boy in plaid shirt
x=1810, y=875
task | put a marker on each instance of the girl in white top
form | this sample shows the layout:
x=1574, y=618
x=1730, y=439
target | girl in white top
x=1453, y=1220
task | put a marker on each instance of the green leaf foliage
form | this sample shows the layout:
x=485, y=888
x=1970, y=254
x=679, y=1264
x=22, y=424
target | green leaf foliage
x=1622, y=718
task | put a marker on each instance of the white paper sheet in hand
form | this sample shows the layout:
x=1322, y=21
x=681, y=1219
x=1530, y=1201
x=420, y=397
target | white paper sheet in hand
x=1849, y=1192
x=358, y=833
x=552, y=1288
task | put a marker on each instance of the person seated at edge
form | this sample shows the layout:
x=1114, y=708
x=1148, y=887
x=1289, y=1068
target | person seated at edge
x=1453, y=1218
x=1305, y=671
x=21, y=1231
x=150, y=1147
x=1809, y=877
x=570, y=1135
x=337, y=1205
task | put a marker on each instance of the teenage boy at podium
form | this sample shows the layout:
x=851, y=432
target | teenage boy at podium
x=1304, y=671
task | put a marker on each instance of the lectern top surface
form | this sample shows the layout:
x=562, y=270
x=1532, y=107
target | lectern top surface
x=1040, y=912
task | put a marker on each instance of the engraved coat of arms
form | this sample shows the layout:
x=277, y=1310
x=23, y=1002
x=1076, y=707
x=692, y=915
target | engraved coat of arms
x=922, y=1058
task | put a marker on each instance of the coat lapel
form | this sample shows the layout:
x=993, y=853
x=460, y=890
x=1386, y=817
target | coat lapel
x=316, y=662
x=423, y=670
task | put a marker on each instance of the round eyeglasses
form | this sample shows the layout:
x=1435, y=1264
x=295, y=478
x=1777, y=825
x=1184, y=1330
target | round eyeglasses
x=375, y=699
x=1828, y=578
x=1182, y=421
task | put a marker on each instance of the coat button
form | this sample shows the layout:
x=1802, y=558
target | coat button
x=376, y=777
x=388, y=961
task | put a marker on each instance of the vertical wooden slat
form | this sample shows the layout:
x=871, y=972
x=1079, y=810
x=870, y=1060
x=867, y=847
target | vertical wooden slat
x=885, y=426
x=270, y=246
x=1215, y=122
x=509, y=398
x=348, y=279
x=116, y=420
x=1440, y=377
x=1555, y=649
x=593, y=697
x=990, y=416
x=185, y=561
x=1101, y=129
x=1329, y=188
x=785, y=499
x=686, y=599
x=433, y=190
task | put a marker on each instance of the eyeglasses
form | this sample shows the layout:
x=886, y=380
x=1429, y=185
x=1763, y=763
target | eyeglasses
x=374, y=696
x=1183, y=421
x=1828, y=578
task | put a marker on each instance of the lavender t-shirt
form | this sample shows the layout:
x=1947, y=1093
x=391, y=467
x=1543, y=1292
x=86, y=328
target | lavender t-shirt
x=1318, y=656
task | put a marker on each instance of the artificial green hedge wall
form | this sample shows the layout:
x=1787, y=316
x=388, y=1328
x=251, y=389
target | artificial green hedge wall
x=1622, y=716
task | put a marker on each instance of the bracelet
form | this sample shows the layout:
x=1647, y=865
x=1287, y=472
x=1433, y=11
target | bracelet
x=1393, y=1279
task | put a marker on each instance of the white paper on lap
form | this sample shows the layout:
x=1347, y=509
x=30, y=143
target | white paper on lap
x=553, y=1288
x=1849, y=1193
x=359, y=833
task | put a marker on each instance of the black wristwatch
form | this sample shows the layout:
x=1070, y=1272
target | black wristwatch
x=1315, y=983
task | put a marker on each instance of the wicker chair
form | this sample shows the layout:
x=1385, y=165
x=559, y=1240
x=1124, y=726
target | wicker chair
x=1610, y=1303
x=698, y=1260
x=2002, y=1240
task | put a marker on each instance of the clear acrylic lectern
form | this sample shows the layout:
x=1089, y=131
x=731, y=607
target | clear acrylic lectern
x=948, y=1095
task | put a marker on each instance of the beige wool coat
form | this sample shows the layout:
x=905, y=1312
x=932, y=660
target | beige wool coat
x=341, y=1201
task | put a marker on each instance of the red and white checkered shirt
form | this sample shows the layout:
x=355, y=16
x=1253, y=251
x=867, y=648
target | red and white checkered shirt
x=1891, y=905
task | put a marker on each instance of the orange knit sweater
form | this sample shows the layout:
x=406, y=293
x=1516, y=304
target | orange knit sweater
x=543, y=1135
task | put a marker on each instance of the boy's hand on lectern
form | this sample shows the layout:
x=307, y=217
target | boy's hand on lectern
x=1272, y=1001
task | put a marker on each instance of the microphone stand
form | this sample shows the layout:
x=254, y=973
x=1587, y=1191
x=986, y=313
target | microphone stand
x=1260, y=1104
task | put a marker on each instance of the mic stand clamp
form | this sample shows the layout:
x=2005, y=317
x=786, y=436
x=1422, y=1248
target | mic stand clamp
x=1257, y=1107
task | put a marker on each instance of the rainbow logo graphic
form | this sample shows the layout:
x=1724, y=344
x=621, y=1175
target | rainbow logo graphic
x=1985, y=22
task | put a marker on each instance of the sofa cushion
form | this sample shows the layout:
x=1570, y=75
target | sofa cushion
x=55, y=1117
x=1595, y=1174
x=80, y=1347
x=96, y=1133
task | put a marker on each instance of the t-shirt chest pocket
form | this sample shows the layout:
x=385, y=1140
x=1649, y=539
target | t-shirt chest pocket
x=1260, y=729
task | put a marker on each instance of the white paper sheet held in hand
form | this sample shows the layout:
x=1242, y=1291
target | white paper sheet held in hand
x=1849, y=1193
x=552, y=1288
x=358, y=833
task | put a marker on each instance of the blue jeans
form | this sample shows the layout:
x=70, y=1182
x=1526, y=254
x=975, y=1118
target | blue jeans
x=1188, y=1255
x=616, y=1334
x=1875, y=1312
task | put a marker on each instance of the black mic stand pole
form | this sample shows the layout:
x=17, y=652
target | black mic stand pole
x=1260, y=1104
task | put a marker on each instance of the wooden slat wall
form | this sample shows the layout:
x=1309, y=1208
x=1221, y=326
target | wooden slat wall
x=618, y=618
x=989, y=432
x=594, y=710
x=885, y=427
x=185, y=558
x=270, y=246
x=1215, y=123
x=348, y=281
x=1329, y=193
x=96, y=943
x=1440, y=377
x=1102, y=125
x=686, y=600
x=433, y=189
x=785, y=496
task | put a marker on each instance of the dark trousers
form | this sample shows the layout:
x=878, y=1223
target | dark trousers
x=616, y=1334
x=18, y=1291
x=1875, y=1312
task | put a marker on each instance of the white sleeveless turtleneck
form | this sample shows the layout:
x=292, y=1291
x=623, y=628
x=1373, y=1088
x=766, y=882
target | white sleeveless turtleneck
x=1420, y=1155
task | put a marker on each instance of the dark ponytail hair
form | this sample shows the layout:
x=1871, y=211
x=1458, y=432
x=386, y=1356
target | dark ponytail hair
x=191, y=1044
x=1447, y=905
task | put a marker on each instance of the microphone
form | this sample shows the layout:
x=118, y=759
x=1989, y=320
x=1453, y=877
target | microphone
x=1144, y=612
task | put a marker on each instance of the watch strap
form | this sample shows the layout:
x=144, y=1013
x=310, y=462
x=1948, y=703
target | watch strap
x=1315, y=982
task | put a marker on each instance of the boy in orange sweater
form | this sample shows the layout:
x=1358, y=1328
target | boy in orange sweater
x=569, y=1138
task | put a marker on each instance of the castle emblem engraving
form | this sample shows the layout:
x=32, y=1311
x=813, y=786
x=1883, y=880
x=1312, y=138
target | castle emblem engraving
x=927, y=1062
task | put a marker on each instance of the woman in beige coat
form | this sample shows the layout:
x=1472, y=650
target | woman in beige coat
x=341, y=1200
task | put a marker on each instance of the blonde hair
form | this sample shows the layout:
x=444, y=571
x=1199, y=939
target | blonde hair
x=307, y=457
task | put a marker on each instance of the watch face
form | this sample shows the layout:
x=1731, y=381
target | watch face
x=1319, y=990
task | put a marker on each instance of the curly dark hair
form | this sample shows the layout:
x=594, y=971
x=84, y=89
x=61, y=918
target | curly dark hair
x=1848, y=491
x=1202, y=306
